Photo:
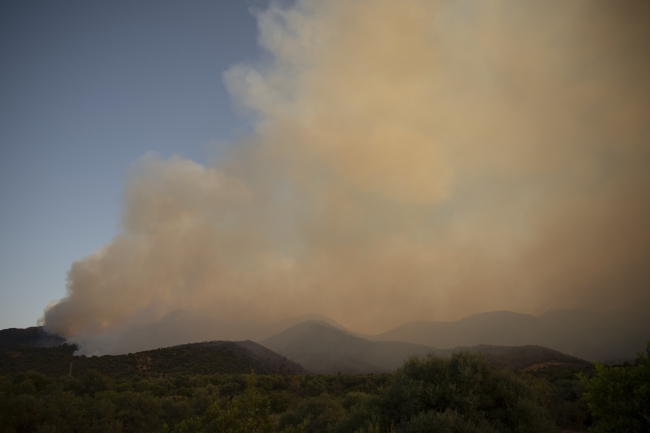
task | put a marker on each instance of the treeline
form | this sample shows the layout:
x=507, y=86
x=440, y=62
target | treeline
x=31, y=401
x=461, y=394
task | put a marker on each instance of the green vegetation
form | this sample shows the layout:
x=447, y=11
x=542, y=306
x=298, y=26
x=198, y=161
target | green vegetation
x=564, y=394
x=32, y=402
x=464, y=394
x=209, y=387
x=248, y=412
x=619, y=397
x=461, y=394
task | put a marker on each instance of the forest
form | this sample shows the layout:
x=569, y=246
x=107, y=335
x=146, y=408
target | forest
x=463, y=393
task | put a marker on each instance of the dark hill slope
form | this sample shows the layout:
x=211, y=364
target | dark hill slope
x=324, y=349
x=28, y=337
x=268, y=361
x=523, y=357
x=199, y=358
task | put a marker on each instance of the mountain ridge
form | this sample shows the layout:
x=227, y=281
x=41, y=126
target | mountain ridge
x=610, y=337
x=324, y=349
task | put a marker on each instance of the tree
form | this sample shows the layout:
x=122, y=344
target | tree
x=462, y=394
x=246, y=413
x=619, y=397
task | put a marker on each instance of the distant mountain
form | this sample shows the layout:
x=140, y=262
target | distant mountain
x=310, y=346
x=198, y=358
x=184, y=327
x=281, y=325
x=494, y=328
x=611, y=337
x=607, y=337
x=325, y=349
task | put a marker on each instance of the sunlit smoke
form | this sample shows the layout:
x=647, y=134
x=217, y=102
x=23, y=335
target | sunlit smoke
x=412, y=159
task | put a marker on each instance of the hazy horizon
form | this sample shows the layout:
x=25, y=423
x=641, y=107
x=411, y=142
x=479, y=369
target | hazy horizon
x=610, y=337
x=414, y=160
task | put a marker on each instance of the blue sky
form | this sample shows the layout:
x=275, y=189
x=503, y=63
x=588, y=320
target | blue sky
x=87, y=88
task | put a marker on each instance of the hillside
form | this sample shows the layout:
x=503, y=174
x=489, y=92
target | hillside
x=198, y=358
x=523, y=357
x=325, y=349
x=34, y=336
x=605, y=337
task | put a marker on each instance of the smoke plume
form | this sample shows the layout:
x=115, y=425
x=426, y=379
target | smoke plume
x=409, y=160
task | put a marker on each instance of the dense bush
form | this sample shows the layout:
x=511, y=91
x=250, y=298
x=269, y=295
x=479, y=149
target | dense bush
x=33, y=402
x=619, y=397
x=461, y=394
x=566, y=406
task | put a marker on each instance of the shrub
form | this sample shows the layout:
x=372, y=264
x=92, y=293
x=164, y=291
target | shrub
x=619, y=397
x=462, y=394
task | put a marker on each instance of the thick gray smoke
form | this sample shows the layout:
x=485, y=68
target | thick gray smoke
x=412, y=159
